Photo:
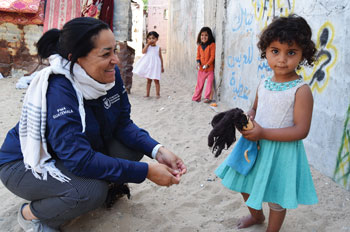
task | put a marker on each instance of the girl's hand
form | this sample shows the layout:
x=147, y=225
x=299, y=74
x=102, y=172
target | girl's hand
x=254, y=134
x=162, y=69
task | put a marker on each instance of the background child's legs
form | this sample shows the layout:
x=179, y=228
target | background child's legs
x=255, y=217
x=156, y=82
x=199, y=87
x=148, y=87
x=208, y=88
x=276, y=217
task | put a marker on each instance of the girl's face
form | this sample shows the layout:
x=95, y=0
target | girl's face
x=204, y=37
x=99, y=63
x=283, y=59
x=152, y=40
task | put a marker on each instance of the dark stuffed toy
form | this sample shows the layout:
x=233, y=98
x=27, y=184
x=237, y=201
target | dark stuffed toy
x=223, y=134
x=115, y=192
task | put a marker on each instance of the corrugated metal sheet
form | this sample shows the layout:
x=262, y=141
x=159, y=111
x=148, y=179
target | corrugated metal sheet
x=17, y=47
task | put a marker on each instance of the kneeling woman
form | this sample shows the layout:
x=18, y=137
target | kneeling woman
x=75, y=135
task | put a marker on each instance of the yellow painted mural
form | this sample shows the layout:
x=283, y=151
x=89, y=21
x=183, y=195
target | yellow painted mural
x=266, y=10
x=327, y=56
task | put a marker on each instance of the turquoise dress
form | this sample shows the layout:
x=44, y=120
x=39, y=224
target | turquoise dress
x=281, y=172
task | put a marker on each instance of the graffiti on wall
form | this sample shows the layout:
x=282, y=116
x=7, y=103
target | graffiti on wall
x=264, y=69
x=342, y=168
x=243, y=21
x=239, y=90
x=266, y=10
x=242, y=58
x=326, y=59
x=236, y=64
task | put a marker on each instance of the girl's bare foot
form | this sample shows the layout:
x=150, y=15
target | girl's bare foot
x=249, y=220
x=146, y=96
x=158, y=96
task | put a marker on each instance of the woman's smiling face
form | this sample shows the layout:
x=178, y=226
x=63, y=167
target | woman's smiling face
x=99, y=63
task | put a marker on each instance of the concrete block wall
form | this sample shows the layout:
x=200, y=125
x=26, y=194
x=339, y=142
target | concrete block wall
x=238, y=67
x=158, y=20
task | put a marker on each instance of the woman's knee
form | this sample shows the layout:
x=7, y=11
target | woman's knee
x=89, y=195
x=96, y=193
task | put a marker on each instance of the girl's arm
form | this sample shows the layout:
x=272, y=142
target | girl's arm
x=303, y=107
x=161, y=59
x=198, y=57
x=211, y=55
x=144, y=50
x=251, y=113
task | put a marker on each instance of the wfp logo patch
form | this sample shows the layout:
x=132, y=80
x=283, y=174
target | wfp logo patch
x=108, y=101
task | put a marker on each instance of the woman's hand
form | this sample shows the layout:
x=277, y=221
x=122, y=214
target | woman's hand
x=162, y=175
x=164, y=156
x=254, y=134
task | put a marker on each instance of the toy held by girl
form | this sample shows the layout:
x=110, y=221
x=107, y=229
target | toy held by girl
x=151, y=64
x=205, y=64
x=281, y=115
x=223, y=135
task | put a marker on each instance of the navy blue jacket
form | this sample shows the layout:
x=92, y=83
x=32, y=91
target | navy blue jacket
x=84, y=153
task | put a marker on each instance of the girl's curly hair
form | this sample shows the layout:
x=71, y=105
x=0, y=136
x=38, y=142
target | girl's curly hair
x=289, y=30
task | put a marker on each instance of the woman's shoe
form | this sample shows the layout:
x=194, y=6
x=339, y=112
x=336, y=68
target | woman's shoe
x=207, y=101
x=32, y=225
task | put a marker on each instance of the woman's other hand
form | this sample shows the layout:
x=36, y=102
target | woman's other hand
x=162, y=175
x=164, y=156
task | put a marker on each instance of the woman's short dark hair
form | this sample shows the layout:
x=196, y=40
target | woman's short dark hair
x=76, y=38
x=289, y=30
x=210, y=35
x=154, y=33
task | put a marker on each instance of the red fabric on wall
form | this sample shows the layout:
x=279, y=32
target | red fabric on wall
x=24, y=18
x=58, y=12
x=20, y=6
x=106, y=13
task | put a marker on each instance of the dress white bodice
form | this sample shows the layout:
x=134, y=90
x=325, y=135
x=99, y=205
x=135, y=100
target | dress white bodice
x=276, y=107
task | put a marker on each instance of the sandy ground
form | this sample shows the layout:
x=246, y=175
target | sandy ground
x=199, y=202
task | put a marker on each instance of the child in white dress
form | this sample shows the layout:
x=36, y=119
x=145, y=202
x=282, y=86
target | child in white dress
x=281, y=115
x=151, y=64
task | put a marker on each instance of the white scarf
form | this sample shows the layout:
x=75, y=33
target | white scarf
x=33, y=118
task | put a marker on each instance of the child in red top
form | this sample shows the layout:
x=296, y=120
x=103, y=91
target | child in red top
x=205, y=64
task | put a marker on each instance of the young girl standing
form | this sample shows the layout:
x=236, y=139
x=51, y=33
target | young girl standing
x=282, y=114
x=151, y=64
x=205, y=64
